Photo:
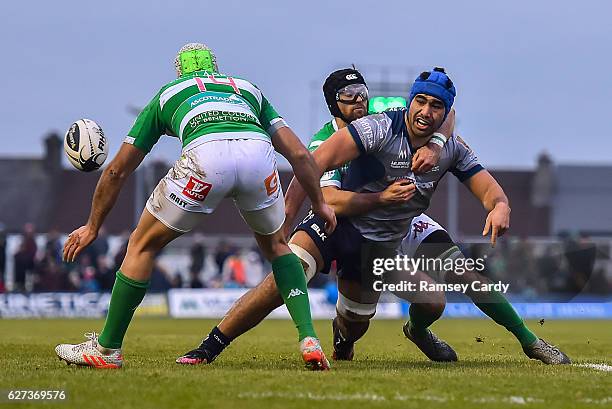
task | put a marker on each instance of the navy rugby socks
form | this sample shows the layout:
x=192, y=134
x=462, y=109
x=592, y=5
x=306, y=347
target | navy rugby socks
x=215, y=343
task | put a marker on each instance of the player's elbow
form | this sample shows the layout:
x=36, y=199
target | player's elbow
x=299, y=155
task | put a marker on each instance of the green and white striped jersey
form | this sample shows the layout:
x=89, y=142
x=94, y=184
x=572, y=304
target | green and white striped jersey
x=203, y=106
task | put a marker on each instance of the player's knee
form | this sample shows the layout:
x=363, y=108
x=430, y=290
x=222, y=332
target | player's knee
x=352, y=325
x=273, y=246
x=145, y=242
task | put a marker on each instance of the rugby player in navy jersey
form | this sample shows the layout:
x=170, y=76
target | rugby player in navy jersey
x=382, y=150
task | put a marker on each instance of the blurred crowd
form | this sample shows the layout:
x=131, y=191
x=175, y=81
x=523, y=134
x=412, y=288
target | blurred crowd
x=569, y=265
x=39, y=268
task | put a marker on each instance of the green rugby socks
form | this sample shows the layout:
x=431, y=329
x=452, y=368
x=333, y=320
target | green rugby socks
x=291, y=283
x=502, y=312
x=496, y=307
x=127, y=295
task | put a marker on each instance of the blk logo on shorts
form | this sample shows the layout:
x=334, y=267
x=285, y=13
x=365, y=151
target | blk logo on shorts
x=196, y=189
x=271, y=183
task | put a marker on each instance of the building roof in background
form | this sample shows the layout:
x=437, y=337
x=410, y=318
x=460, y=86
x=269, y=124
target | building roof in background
x=55, y=198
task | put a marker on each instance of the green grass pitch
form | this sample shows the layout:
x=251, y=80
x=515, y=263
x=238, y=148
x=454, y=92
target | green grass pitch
x=263, y=369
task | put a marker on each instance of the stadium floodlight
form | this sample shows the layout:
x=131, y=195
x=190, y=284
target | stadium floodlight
x=380, y=104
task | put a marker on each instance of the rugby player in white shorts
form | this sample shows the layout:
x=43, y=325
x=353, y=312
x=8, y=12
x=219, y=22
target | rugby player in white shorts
x=228, y=131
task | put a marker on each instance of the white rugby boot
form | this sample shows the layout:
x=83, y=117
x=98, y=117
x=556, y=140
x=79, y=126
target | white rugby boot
x=90, y=353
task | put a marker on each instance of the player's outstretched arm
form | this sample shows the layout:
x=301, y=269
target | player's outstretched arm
x=337, y=150
x=109, y=185
x=306, y=172
x=492, y=196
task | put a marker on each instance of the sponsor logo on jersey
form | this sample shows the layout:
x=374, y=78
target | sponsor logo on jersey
x=196, y=189
x=420, y=185
x=217, y=97
x=295, y=292
x=425, y=185
x=221, y=116
x=178, y=200
x=402, y=155
x=398, y=164
x=271, y=183
x=368, y=133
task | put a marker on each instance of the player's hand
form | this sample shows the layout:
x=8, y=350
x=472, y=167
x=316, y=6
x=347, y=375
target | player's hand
x=398, y=192
x=77, y=241
x=498, y=221
x=425, y=158
x=327, y=213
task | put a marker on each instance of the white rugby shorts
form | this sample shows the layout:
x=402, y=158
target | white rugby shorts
x=243, y=169
x=420, y=227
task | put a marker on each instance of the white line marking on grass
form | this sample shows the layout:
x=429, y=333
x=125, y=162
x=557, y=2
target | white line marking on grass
x=432, y=398
x=603, y=401
x=517, y=400
x=372, y=397
x=599, y=367
x=312, y=396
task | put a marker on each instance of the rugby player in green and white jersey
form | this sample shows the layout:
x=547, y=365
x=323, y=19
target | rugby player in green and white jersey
x=228, y=131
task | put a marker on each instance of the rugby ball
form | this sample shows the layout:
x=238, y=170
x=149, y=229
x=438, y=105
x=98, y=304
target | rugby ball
x=85, y=145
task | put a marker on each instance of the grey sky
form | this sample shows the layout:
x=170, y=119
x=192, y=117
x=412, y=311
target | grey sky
x=530, y=75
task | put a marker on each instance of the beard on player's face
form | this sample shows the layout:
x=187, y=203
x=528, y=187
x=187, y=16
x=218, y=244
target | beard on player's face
x=354, y=111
